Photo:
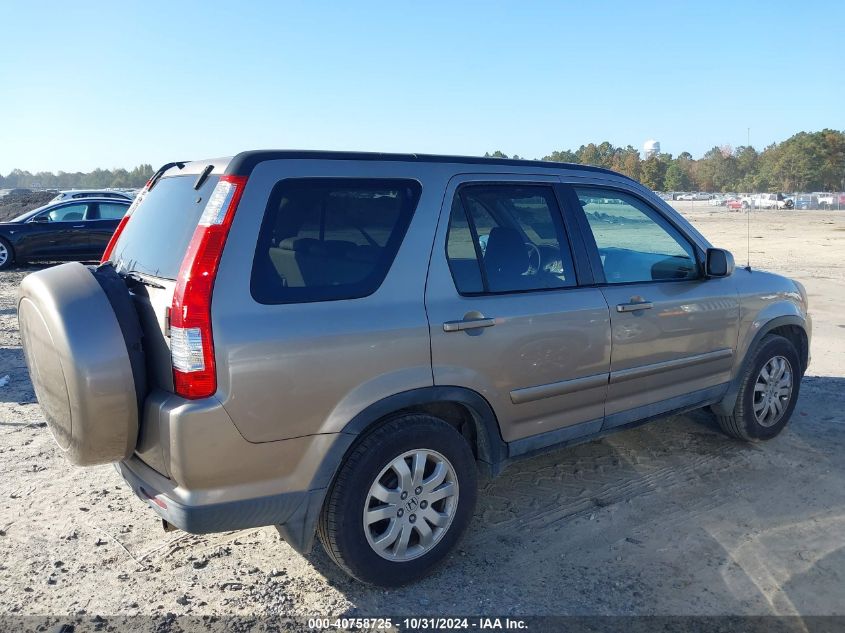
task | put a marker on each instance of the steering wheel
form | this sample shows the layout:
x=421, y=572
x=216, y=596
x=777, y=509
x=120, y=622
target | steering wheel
x=532, y=252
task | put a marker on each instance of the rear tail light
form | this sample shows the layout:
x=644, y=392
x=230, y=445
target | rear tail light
x=191, y=342
x=122, y=225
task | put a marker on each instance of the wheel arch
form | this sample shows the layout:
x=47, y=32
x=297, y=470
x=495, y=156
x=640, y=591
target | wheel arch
x=465, y=409
x=792, y=328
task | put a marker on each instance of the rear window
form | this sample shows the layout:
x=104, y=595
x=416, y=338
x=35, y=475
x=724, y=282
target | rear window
x=324, y=239
x=156, y=237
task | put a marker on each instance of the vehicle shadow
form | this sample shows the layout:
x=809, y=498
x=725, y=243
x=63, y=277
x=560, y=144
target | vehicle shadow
x=669, y=518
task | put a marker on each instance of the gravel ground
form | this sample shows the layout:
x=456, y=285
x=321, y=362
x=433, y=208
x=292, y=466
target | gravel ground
x=671, y=519
x=13, y=205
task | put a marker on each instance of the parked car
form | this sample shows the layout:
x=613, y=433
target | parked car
x=318, y=341
x=717, y=201
x=734, y=204
x=695, y=196
x=806, y=201
x=826, y=199
x=767, y=201
x=830, y=200
x=73, y=230
x=74, y=194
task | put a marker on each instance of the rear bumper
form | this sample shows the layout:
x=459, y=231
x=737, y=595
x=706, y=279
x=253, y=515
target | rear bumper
x=164, y=499
x=196, y=471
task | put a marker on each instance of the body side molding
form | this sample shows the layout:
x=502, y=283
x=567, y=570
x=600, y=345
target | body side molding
x=669, y=365
x=530, y=394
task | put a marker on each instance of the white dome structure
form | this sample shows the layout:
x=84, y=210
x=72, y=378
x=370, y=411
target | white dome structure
x=651, y=148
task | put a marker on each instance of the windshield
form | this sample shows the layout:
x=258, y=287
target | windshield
x=23, y=217
x=158, y=232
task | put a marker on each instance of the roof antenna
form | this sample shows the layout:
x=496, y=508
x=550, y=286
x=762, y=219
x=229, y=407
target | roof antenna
x=748, y=222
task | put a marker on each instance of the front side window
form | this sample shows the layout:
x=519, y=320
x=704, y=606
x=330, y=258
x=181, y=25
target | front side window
x=507, y=238
x=324, y=239
x=70, y=213
x=635, y=243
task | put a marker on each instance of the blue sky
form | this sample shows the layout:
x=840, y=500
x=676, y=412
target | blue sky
x=111, y=84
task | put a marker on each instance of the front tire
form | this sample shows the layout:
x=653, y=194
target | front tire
x=7, y=256
x=400, y=502
x=768, y=392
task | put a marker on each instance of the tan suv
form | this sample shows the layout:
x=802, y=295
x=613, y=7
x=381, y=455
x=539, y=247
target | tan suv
x=334, y=343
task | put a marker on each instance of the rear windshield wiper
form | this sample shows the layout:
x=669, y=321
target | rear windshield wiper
x=203, y=177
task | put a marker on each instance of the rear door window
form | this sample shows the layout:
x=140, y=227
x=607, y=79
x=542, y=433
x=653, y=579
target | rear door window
x=324, y=239
x=508, y=238
x=156, y=237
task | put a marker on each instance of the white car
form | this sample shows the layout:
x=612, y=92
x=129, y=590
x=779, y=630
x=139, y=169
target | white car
x=825, y=200
x=696, y=196
x=766, y=201
x=72, y=194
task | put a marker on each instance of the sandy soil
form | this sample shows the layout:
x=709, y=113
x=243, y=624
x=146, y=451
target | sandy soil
x=670, y=518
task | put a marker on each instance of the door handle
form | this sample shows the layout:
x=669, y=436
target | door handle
x=78, y=226
x=633, y=307
x=468, y=324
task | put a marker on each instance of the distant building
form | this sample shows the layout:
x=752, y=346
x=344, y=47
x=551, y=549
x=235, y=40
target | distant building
x=651, y=148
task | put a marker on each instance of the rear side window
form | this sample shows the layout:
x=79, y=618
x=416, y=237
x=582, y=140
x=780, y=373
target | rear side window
x=324, y=239
x=161, y=227
x=112, y=210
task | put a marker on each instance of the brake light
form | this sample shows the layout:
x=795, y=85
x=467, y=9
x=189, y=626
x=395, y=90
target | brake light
x=122, y=225
x=191, y=342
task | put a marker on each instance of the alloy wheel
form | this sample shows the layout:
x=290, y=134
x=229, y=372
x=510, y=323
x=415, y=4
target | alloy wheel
x=410, y=505
x=772, y=391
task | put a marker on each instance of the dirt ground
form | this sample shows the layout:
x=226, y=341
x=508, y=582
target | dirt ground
x=672, y=518
x=13, y=205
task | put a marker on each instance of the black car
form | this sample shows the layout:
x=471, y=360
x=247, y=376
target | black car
x=72, y=230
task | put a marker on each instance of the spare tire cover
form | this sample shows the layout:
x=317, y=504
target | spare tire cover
x=79, y=364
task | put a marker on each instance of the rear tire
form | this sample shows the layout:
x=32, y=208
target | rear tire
x=7, y=255
x=400, y=502
x=768, y=392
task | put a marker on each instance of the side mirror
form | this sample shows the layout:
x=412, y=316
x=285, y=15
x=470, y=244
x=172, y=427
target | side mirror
x=718, y=262
x=40, y=219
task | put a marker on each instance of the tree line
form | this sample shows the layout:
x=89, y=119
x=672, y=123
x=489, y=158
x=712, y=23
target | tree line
x=97, y=179
x=807, y=161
